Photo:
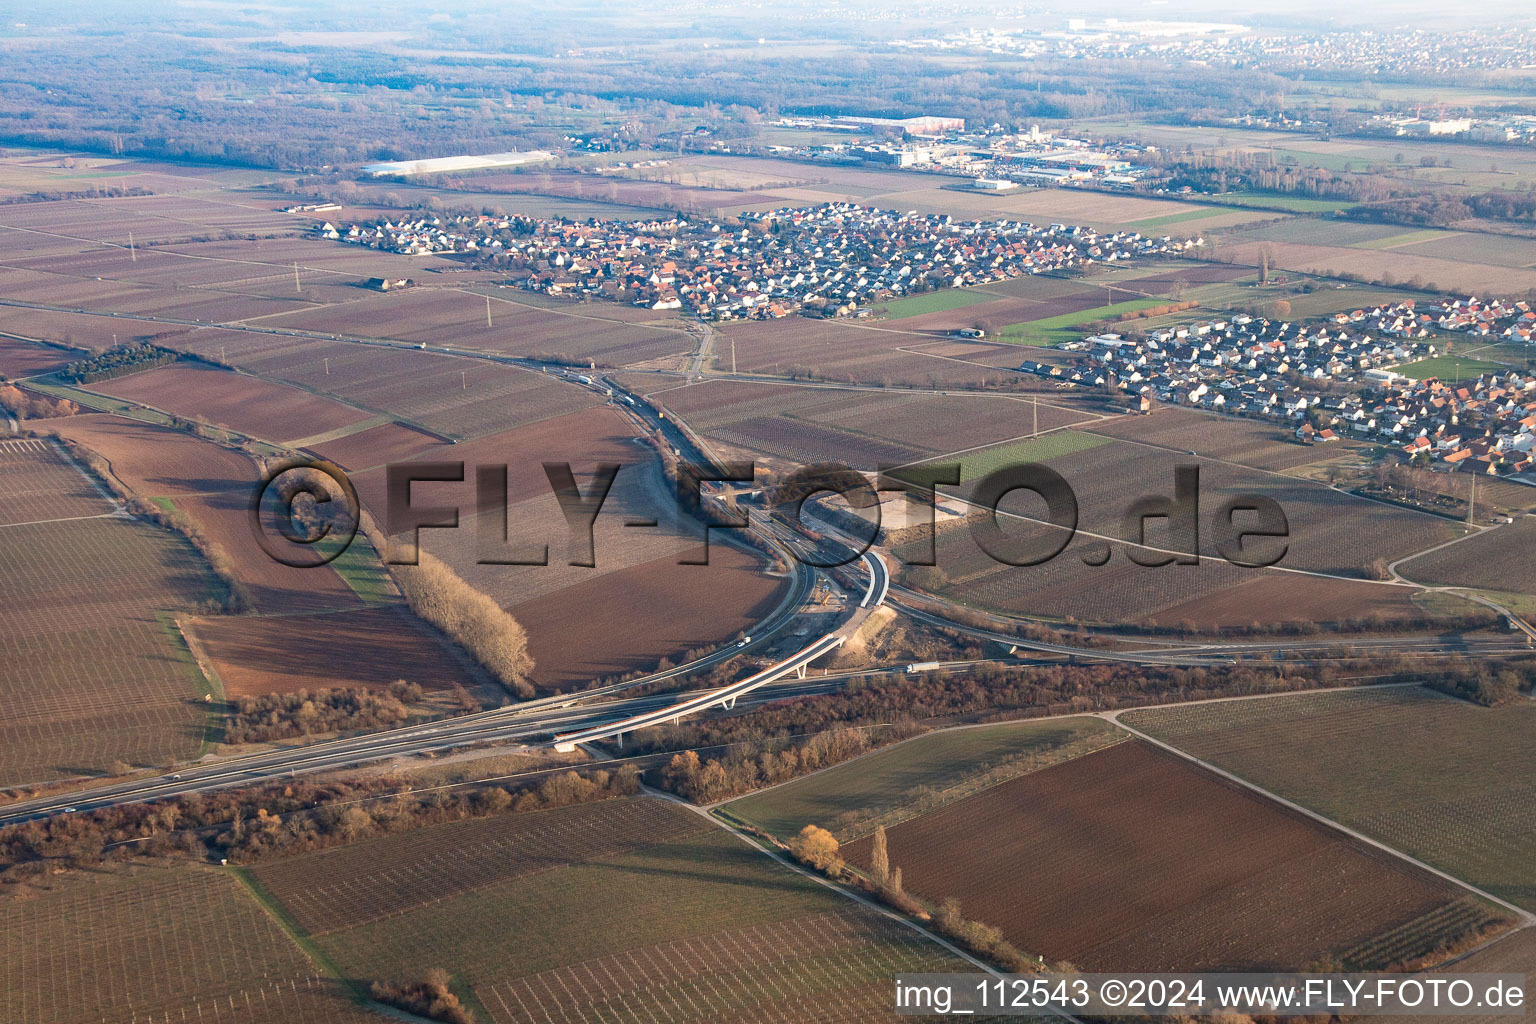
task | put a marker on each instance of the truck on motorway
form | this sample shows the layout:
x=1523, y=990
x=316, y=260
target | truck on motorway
x=923, y=666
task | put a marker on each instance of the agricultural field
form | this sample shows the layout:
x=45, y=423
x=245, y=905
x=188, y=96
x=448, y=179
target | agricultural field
x=642, y=906
x=836, y=350
x=212, y=486
x=1056, y=444
x=1144, y=862
x=1471, y=246
x=24, y=358
x=86, y=331
x=1052, y=331
x=916, y=775
x=90, y=675
x=1330, y=531
x=449, y=396
x=626, y=192
x=249, y=405
x=1044, y=310
x=1501, y=559
x=1513, y=954
x=583, y=438
x=805, y=424
x=1210, y=595
x=633, y=617
x=1403, y=265
x=40, y=482
x=1294, y=204
x=1008, y=302
x=1332, y=231
x=255, y=655
x=635, y=606
x=446, y=316
x=201, y=949
x=1264, y=446
x=940, y=301
x=375, y=446
x=1441, y=779
x=1404, y=238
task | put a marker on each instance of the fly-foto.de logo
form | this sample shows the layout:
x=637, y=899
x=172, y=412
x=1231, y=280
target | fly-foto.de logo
x=306, y=513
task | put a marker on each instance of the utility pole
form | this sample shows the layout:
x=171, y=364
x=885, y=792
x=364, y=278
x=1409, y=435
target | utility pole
x=487, y=311
x=327, y=366
x=463, y=384
x=1035, y=407
x=133, y=256
x=296, y=289
x=1472, y=502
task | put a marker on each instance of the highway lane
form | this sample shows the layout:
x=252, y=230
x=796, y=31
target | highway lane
x=724, y=697
x=1207, y=653
x=502, y=727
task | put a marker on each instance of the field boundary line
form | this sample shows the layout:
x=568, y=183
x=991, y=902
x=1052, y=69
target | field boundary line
x=878, y=819
x=841, y=890
x=107, y=496
x=1524, y=917
x=1415, y=556
x=68, y=519
x=247, y=880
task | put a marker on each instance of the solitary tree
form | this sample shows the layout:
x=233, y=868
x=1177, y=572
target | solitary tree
x=879, y=860
x=816, y=846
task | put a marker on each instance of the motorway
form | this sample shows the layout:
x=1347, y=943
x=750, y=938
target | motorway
x=1195, y=654
x=727, y=696
x=574, y=719
x=533, y=724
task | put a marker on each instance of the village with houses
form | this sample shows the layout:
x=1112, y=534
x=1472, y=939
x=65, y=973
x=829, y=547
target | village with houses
x=829, y=260
x=1335, y=378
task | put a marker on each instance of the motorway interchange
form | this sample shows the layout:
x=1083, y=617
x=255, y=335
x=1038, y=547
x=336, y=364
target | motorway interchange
x=566, y=720
x=604, y=713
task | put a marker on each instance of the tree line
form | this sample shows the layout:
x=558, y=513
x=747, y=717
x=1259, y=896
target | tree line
x=244, y=826
x=303, y=713
x=788, y=738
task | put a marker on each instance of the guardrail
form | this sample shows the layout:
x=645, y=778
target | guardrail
x=724, y=697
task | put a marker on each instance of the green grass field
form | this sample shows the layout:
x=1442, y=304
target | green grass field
x=1403, y=238
x=361, y=569
x=1057, y=329
x=915, y=776
x=934, y=302
x=1449, y=782
x=1202, y=213
x=1035, y=449
x=1329, y=300
x=1294, y=204
x=1451, y=368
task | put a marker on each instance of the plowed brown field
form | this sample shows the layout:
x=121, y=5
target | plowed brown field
x=1133, y=859
x=371, y=647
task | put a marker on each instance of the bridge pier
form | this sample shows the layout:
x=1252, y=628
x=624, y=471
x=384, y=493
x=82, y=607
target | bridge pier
x=729, y=704
x=800, y=672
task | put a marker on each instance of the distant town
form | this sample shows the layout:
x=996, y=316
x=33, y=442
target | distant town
x=831, y=260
